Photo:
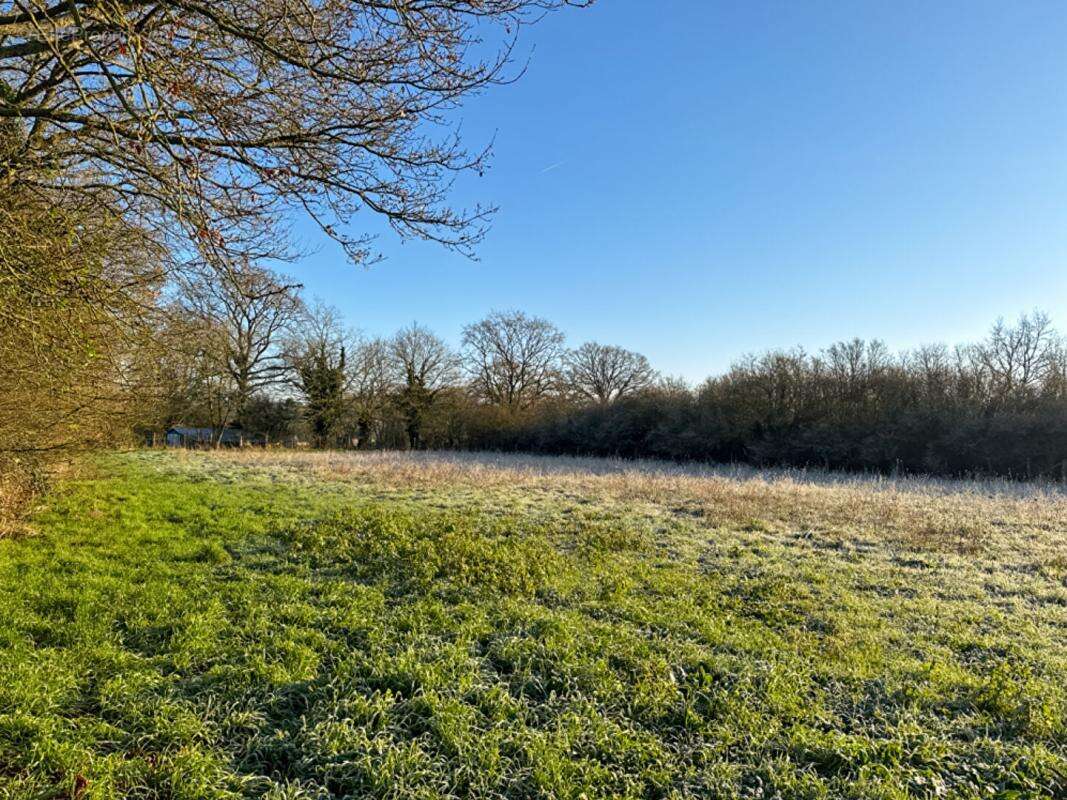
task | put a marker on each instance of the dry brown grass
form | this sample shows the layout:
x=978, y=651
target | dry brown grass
x=18, y=489
x=964, y=517
x=24, y=485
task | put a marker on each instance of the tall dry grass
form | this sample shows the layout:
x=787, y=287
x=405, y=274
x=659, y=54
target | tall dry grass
x=956, y=515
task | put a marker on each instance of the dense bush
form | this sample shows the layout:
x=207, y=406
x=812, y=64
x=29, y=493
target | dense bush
x=1022, y=443
x=999, y=407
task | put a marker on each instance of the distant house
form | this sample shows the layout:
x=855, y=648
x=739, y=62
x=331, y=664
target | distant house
x=181, y=436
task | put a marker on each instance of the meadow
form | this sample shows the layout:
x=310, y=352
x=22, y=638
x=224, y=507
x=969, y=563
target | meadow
x=320, y=625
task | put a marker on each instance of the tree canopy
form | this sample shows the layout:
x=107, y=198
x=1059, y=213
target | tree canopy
x=211, y=120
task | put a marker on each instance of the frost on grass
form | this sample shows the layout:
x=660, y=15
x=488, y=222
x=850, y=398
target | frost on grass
x=962, y=516
x=394, y=626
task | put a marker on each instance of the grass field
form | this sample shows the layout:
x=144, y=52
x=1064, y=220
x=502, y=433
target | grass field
x=294, y=625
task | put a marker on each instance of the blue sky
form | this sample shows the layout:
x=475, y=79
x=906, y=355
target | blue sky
x=696, y=180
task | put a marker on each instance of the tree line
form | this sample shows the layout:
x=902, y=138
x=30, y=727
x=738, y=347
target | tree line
x=996, y=407
x=286, y=371
x=244, y=350
x=150, y=145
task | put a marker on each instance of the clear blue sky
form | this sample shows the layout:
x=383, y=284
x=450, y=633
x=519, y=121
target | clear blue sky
x=696, y=180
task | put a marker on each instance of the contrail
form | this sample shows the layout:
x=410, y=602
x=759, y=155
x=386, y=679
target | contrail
x=551, y=167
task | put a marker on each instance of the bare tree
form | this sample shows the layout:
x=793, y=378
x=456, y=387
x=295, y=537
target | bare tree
x=933, y=372
x=855, y=362
x=768, y=391
x=423, y=358
x=424, y=366
x=371, y=380
x=214, y=118
x=196, y=384
x=1017, y=358
x=1054, y=381
x=604, y=373
x=253, y=309
x=513, y=359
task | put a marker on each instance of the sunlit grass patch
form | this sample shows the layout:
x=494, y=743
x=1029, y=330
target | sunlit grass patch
x=214, y=627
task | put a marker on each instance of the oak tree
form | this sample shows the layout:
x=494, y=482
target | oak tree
x=604, y=373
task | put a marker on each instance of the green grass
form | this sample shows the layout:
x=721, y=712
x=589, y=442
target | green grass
x=197, y=631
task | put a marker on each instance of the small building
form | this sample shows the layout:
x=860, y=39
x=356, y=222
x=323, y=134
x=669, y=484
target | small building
x=182, y=436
